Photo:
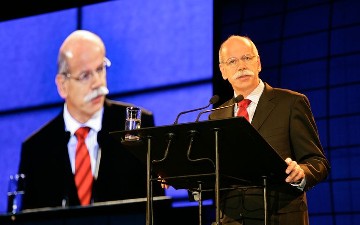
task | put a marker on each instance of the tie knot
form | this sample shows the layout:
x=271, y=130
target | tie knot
x=244, y=103
x=82, y=132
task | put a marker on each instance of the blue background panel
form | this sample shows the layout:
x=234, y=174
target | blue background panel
x=345, y=100
x=305, y=48
x=346, y=202
x=294, y=75
x=345, y=163
x=29, y=65
x=344, y=70
x=155, y=44
x=346, y=13
x=319, y=199
x=343, y=40
x=344, y=131
x=313, y=19
x=271, y=26
x=269, y=53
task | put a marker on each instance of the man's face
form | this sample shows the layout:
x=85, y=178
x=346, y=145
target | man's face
x=240, y=65
x=86, y=73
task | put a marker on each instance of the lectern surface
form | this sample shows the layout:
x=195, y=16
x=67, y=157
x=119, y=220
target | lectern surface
x=244, y=156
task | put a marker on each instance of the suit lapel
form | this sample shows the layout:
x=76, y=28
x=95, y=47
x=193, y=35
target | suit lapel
x=264, y=108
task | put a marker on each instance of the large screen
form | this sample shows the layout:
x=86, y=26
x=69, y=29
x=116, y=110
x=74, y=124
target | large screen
x=161, y=54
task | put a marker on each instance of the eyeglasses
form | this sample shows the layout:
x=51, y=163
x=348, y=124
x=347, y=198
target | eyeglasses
x=234, y=62
x=86, y=76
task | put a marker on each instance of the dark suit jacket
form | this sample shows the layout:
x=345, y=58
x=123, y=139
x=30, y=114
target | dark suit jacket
x=46, y=164
x=284, y=119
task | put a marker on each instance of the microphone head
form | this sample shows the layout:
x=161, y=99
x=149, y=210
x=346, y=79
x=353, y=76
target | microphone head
x=214, y=99
x=238, y=98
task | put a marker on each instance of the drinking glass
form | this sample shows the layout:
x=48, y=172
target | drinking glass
x=132, y=122
x=15, y=193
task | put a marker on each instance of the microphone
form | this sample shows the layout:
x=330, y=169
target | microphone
x=214, y=99
x=238, y=98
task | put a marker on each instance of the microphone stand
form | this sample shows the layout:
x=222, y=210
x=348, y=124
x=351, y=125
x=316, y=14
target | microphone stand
x=214, y=99
x=238, y=98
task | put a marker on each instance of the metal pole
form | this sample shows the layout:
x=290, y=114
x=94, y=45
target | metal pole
x=265, y=201
x=148, y=182
x=217, y=178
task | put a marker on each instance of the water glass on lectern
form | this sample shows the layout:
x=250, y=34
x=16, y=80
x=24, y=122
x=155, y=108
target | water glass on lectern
x=132, y=122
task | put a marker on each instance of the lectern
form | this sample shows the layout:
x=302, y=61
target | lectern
x=207, y=156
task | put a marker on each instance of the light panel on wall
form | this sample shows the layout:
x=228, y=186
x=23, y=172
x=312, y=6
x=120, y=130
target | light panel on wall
x=154, y=43
x=28, y=63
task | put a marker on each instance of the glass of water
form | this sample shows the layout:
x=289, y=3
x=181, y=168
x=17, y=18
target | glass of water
x=132, y=122
x=15, y=193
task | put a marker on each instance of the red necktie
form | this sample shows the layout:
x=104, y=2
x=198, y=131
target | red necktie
x=83, y=174
x=242, y=108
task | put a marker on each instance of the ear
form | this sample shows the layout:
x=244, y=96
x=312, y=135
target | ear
x=259, y=64
x=60, y=82
x=223, y=72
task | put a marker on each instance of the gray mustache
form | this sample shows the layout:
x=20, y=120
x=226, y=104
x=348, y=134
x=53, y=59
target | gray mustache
x=95, y=93
x=242, y=73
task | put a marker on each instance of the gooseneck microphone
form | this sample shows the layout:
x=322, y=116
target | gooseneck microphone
x=214, y=99
x=238, y=98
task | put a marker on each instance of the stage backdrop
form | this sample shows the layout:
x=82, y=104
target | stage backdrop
x=161, y=54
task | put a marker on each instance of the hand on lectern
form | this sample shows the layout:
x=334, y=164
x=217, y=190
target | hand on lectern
x=295, y=172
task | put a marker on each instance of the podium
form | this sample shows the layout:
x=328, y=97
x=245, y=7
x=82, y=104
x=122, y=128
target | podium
x=212, y=155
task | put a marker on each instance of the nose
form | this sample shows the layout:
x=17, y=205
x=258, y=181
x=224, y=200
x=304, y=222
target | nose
x=241, y=65
x=97, y=79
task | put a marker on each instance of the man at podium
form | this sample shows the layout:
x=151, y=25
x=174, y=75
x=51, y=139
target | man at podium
x=285, y=120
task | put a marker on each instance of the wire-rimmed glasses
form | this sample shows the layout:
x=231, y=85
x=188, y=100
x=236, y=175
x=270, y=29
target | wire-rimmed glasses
x=86, y=76
x=233, y=62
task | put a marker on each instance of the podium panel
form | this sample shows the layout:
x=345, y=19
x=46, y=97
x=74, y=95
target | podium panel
x=185, y=154
x=124, y=212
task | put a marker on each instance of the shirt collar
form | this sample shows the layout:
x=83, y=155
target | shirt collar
x=254, y=96
x=72, y=125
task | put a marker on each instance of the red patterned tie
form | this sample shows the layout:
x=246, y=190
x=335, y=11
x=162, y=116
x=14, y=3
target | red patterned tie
x=83, y=174
x=242, y=108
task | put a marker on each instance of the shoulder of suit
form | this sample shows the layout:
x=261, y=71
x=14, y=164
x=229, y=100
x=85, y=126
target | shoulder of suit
x=121, y=105
x=47, y=130
x=285, y=92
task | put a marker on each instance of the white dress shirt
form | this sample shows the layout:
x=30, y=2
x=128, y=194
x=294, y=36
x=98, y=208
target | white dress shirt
x=72, y=125
x=254, y=96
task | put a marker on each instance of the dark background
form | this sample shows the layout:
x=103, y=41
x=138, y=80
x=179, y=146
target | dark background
x=311, y=47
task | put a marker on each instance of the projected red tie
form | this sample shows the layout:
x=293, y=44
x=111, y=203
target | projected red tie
x=83, y=174
x=242, y=108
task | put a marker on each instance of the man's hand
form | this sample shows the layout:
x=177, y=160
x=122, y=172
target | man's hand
x=296, y=174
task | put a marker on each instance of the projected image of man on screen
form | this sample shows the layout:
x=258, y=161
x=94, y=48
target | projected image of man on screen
x=72, y=160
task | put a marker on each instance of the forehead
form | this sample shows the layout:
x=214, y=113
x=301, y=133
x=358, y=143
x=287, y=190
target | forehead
x=86, y=60
x=236, y=47
x=83, y=52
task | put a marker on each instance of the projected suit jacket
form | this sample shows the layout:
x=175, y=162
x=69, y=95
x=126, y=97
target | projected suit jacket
x=284, y=119
x=46, y=164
